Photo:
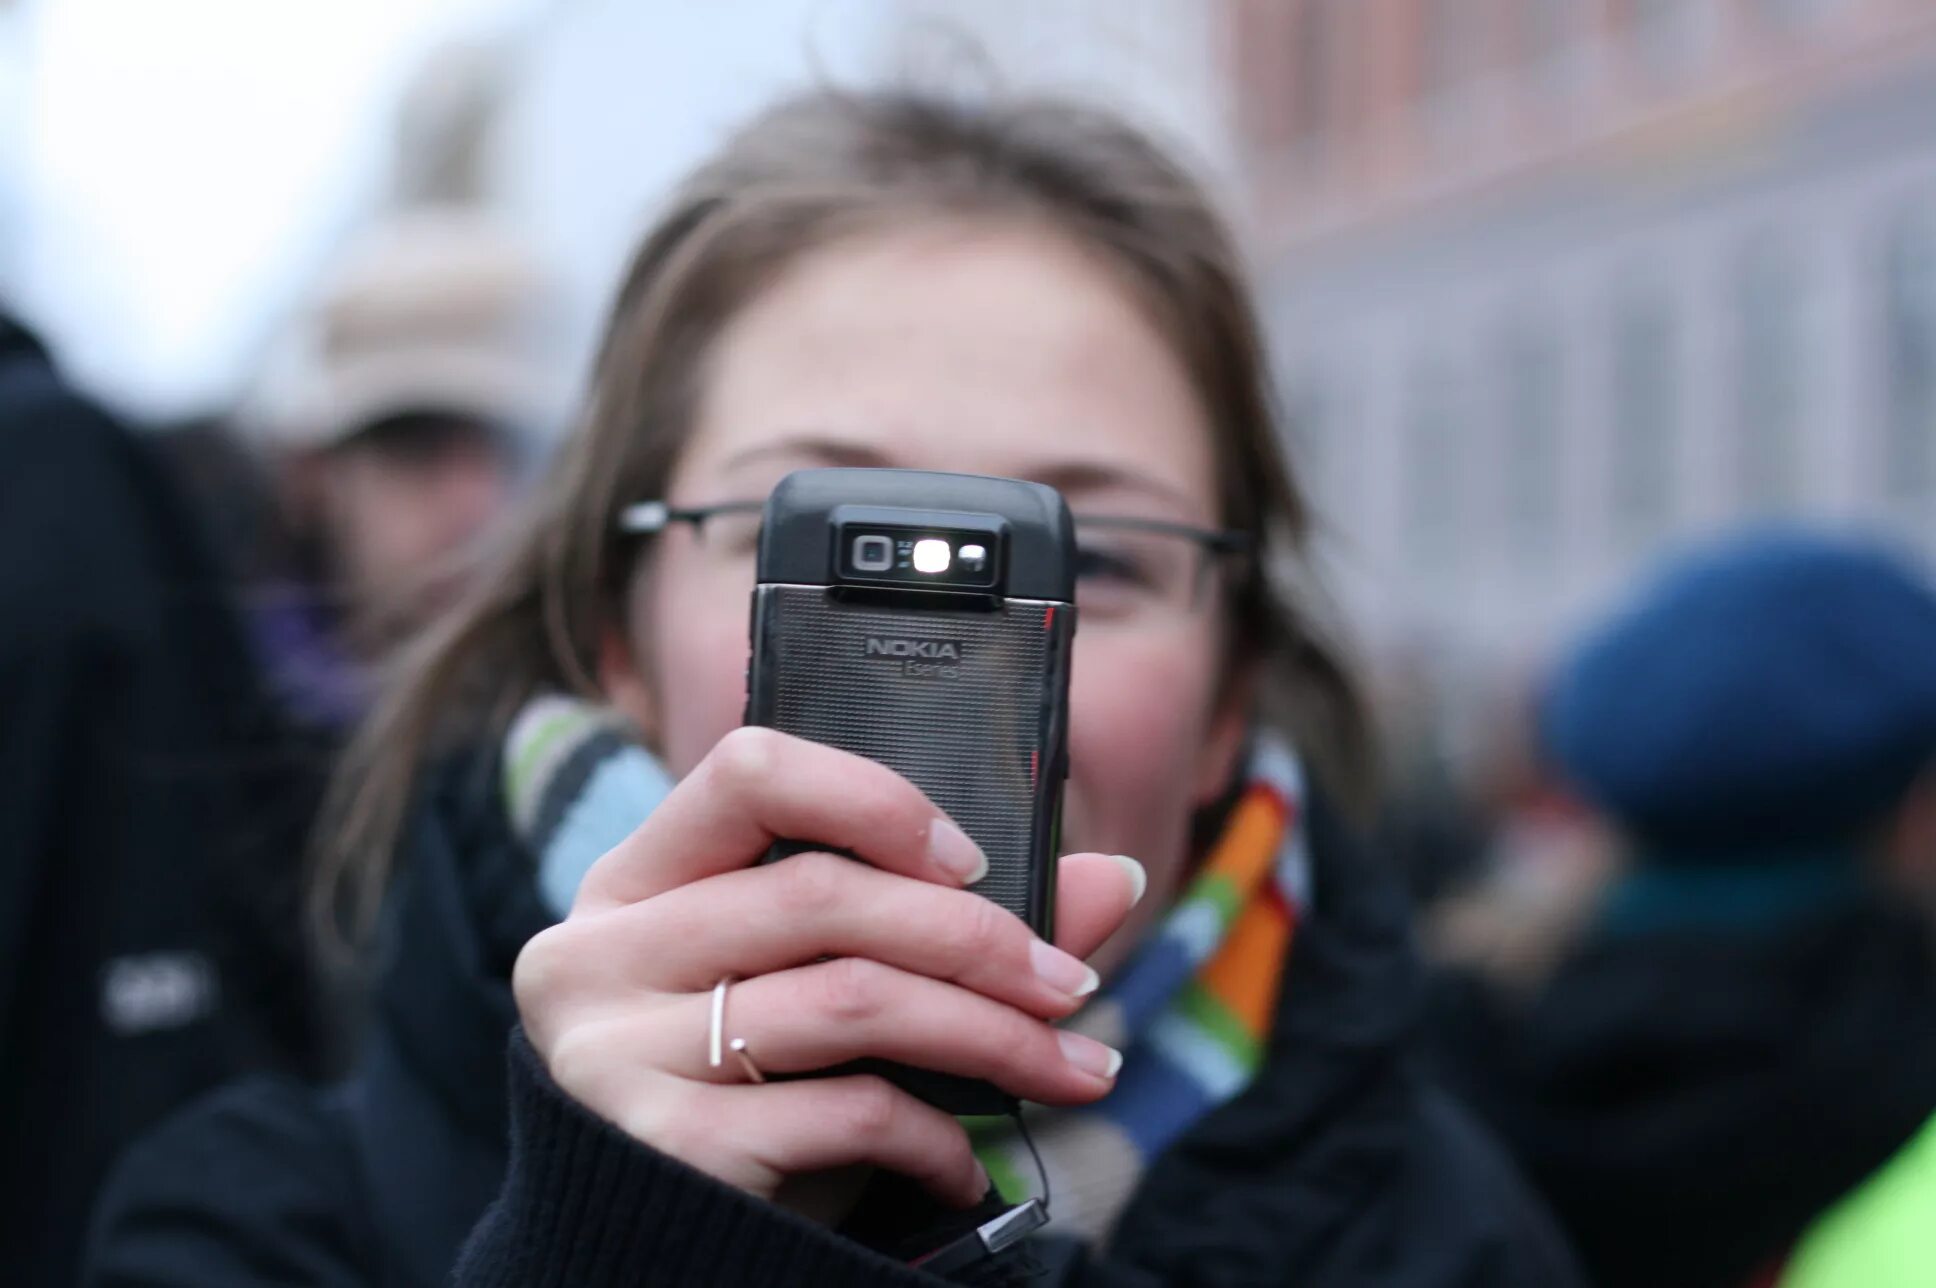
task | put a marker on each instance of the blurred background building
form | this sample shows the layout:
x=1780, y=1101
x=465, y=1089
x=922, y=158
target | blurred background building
x=1559, y=282
x=1553, y=283
x=173, y=177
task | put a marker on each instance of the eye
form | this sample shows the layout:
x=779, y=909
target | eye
x=1104, y=565
x=732, y=532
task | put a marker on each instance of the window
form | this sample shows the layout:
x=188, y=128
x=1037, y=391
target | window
x=1794, y=14
x=1531, y=423
x=1555, y=42
x=1551, y=27
x=1311, y=414
x=1646, y=409
x=1431, y=435
x=1673, y=37
x=1452, y=37
x=1909, y=352
x=1450, y=64
x=1319, y=69
x=1771, y=356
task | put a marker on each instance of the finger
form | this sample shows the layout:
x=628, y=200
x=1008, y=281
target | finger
x=786, y=1129
x=1093, y=894
x=828, y=1014
x=758, y=786
x=759, y=920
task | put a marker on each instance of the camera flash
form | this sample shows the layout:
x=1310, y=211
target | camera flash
x=931, y=555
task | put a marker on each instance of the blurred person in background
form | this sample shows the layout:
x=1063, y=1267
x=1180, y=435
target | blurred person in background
x=394, y=427
x=1430, y=822
x=150, y=826
x=1545, y=861
x=1730, y=1080
x=574, y=824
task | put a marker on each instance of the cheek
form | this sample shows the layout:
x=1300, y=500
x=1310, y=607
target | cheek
x=696, y=664
x=371, y=534
x=393, y=524
x=1139, y=711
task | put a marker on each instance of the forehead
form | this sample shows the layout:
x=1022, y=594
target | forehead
x=984, y=349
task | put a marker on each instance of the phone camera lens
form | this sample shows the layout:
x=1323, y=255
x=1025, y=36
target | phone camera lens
x=873, y=554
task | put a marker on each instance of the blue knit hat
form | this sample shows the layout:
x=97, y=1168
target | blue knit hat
x=1773, y=693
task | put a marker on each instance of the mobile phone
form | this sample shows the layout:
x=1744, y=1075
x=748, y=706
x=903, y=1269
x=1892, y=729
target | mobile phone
x=924, y=620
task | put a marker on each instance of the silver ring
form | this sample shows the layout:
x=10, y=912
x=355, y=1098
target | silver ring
x=717, y=1044
x=746, y=1060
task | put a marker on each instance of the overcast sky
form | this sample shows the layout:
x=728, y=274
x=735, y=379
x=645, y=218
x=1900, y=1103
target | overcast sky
x=177, y=162
x=179, y=168
x=174, y=172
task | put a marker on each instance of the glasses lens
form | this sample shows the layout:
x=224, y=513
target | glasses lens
x=728, y=547
x=731, y=533
x=1130, y=574
x=1124, y=575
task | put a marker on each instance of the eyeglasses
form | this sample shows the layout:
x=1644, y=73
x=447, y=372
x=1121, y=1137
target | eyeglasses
x=1128, y=570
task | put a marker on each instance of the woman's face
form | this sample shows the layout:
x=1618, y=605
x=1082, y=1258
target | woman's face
x=983, y=349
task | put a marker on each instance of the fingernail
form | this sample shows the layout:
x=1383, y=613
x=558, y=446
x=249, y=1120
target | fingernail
x=1089, y=1055
x=954, y=853
x=1063, y=972
x=1138, y=878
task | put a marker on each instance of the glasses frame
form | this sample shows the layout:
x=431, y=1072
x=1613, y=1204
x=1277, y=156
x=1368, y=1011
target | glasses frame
x=650, y=518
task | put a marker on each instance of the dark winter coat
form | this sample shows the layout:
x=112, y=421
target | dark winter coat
x=1691, y=1097
x=1340, y=1166
x=149, y=834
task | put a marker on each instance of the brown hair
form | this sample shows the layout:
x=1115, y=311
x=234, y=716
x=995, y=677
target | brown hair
x=809, y=170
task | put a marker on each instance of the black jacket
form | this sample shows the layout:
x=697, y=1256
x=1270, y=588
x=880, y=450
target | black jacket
x=147, y=845
x=1691, y=1100
x=1340, y=1166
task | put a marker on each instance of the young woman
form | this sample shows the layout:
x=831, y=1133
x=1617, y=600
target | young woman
x=1028, y=290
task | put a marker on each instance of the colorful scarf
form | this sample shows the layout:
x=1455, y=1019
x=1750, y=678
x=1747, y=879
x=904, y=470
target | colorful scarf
x=576, y=783
x=1191, y=1011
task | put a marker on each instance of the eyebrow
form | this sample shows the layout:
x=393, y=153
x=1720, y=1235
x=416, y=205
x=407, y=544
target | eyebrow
x=825, y=450
x=1065, y=476
x=1077, y=476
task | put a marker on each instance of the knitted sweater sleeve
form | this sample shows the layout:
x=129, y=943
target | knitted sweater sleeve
x=585, y=1204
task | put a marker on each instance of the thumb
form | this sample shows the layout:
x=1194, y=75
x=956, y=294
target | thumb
x=1093, y=893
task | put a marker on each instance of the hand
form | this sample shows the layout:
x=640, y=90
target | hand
x=837, y=960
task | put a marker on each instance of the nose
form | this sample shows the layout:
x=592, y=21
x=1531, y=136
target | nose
x=470, y=492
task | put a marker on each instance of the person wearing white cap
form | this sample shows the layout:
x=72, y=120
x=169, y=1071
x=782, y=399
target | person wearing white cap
x=394, y=429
